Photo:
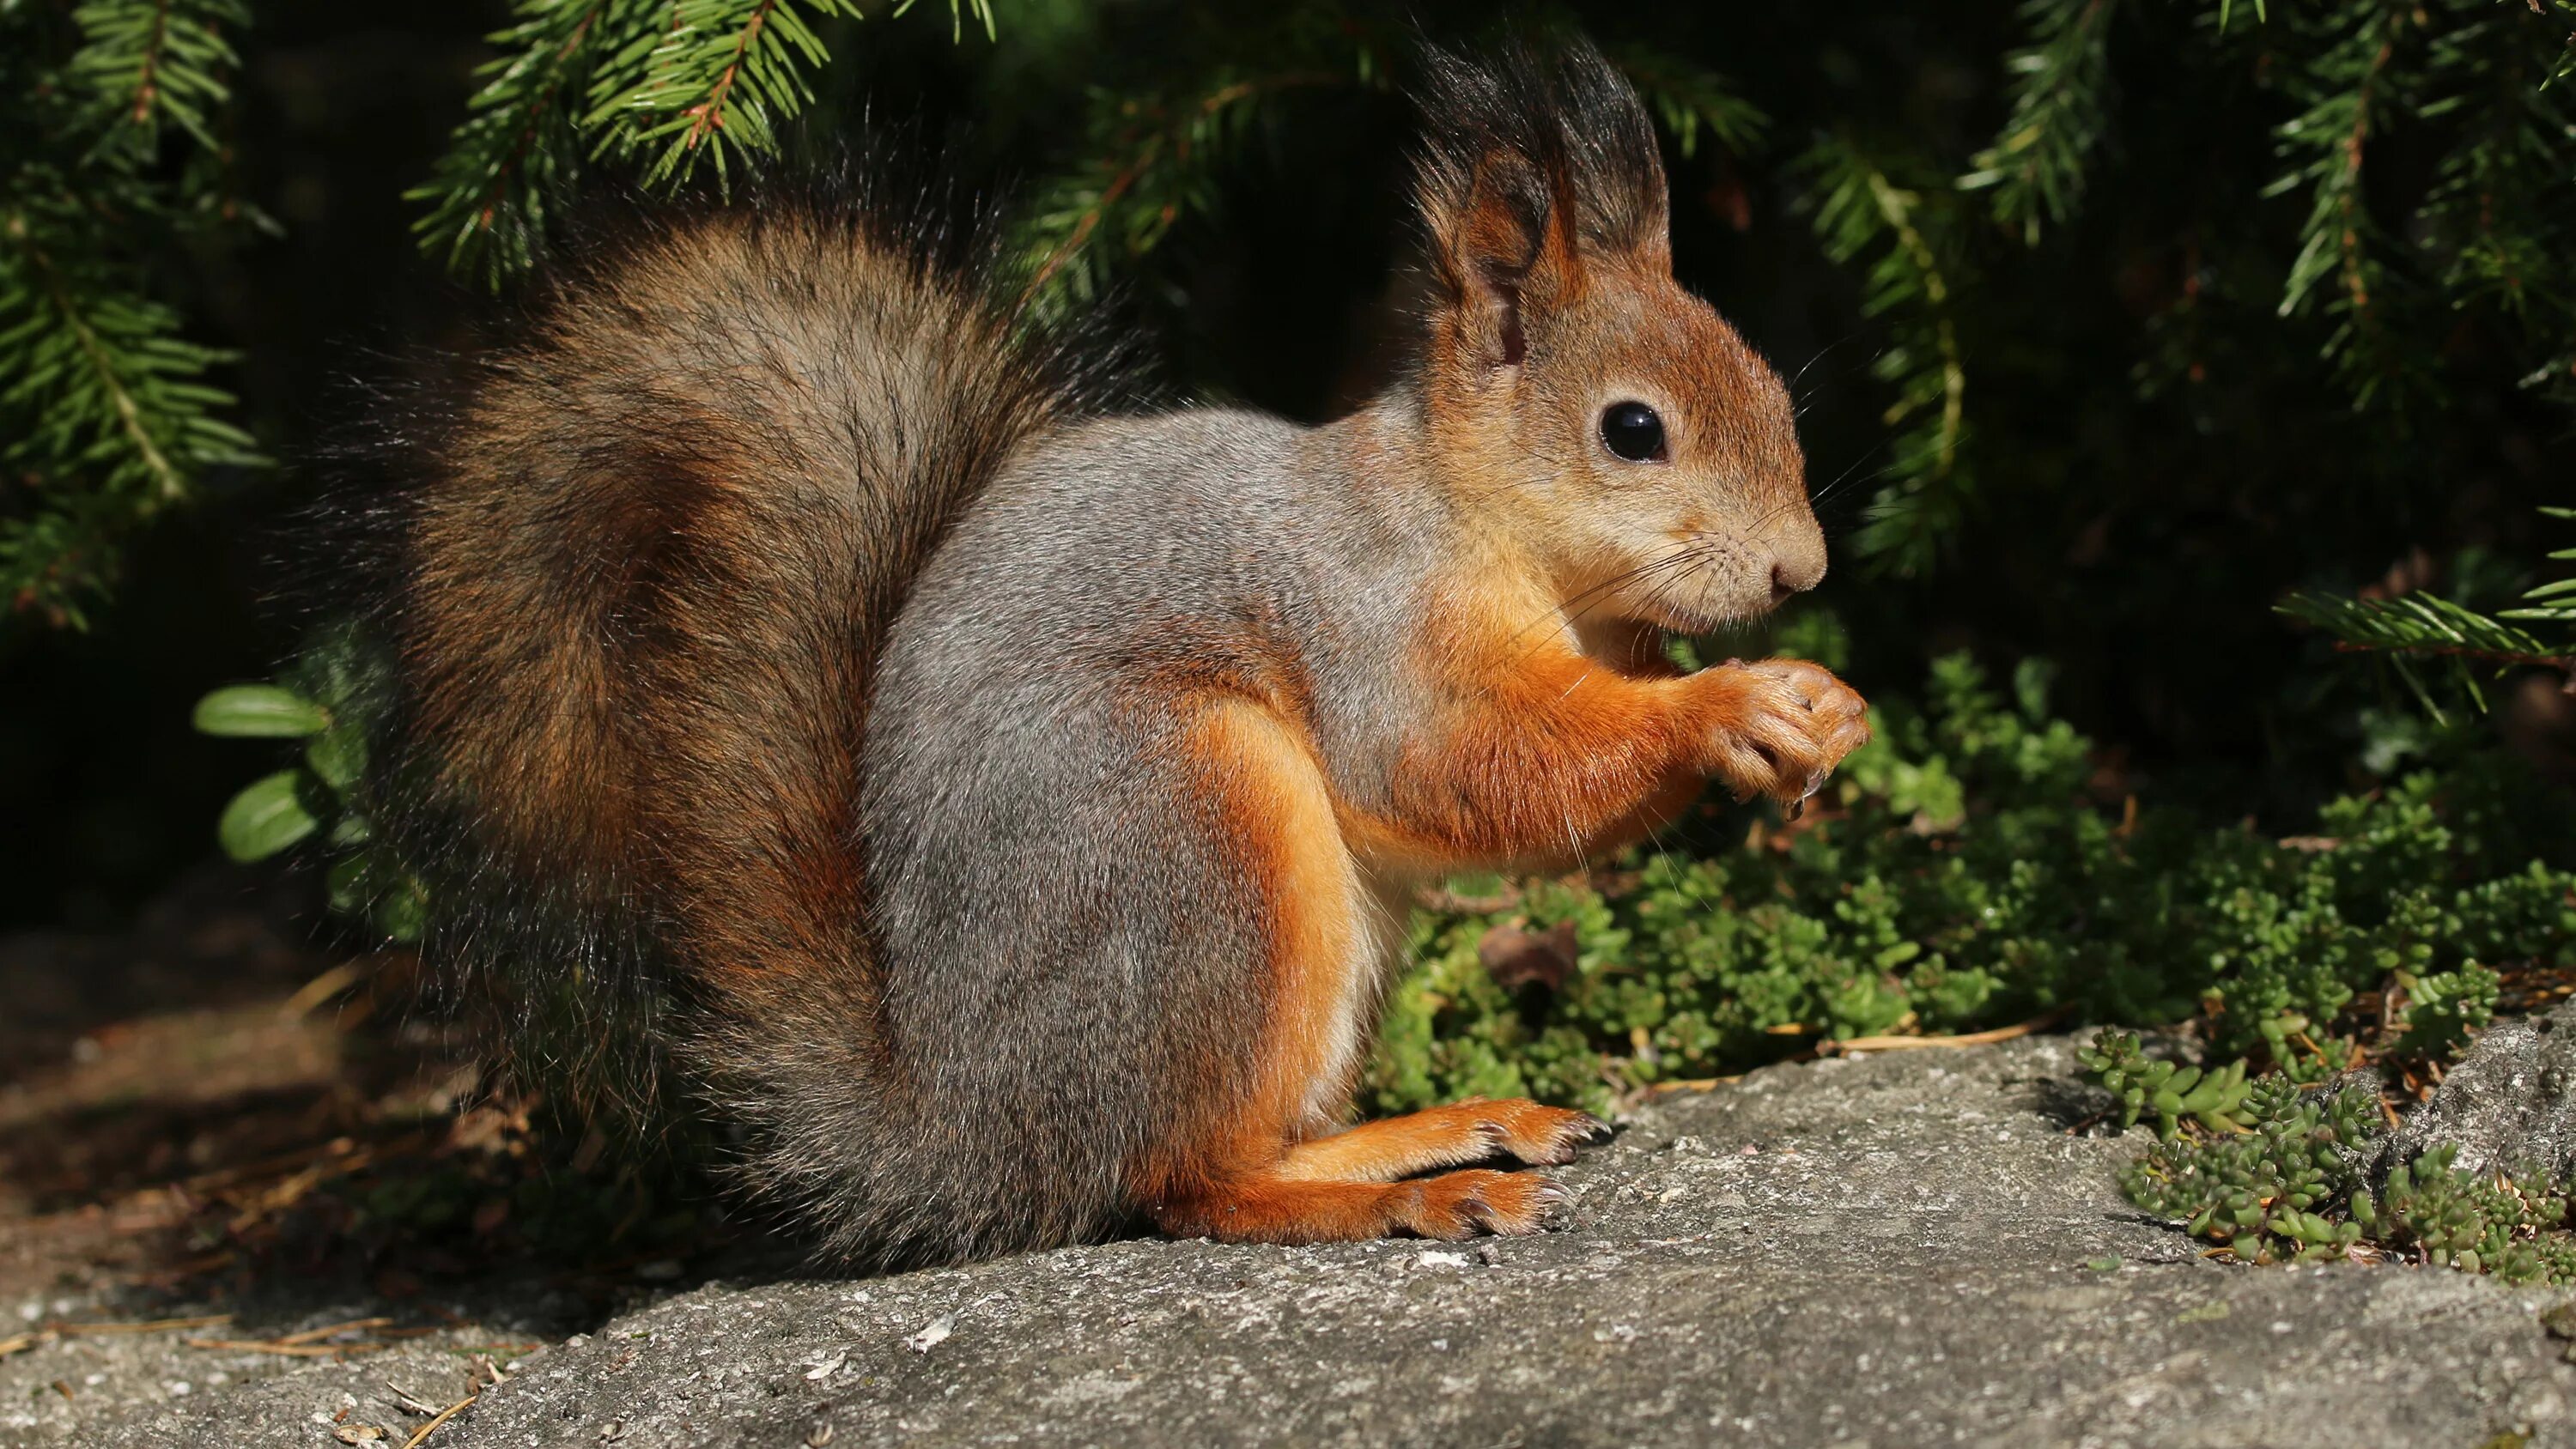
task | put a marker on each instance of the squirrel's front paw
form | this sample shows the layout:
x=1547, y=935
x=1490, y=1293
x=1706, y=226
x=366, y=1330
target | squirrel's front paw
x=1783, y=726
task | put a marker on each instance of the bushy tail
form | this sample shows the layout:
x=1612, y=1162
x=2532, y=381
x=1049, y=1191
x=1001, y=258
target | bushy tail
x=650, y=540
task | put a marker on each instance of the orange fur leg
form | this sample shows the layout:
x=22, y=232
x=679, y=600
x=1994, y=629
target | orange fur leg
x=1247, y=1172
x=1452, y=1136
x=1265, y=1207
x=1668, y=804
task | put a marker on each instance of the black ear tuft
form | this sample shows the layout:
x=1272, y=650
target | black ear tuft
x=1554, y=126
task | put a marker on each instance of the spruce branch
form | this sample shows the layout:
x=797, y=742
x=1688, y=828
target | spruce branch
x=716, y=83
x=107, y=417
x=146, y=62
x=113, y=423
x=1902, y=235
x=488, y=194
x=1158, y=164
x=1690, y=100
x=2348, y=86
x=2495, y=219
x=662, y=84
x=2227, y=10
x=1154, y=158
x=720, y=79
x=2426, y=626
x=2061, y=105
x=1150, y=158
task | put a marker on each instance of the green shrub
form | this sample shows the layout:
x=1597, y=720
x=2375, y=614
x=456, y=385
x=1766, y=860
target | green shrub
x=313, y=803
x=1962, y=873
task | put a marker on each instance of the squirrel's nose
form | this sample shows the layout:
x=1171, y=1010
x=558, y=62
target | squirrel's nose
x=1797, y=566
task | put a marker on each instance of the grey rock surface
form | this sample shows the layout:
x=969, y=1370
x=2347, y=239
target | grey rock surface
x=1904, y=1250
x=2510, y=1103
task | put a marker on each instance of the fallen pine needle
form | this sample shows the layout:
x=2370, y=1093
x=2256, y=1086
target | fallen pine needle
x=1691, y=1084
x=53, y=1331
x=286, y=1350
x=444, y=1415
x=156, y=1325
x=321, y=989
x=311, y=1334
x=2041, y=1022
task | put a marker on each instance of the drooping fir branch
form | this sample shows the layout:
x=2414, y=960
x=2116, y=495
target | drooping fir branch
x=1147, y=159
x=664, y=85
x=106, y=414
x=2350, y=87
x=1154, y=158
x=1157, y=162
x=2227, y=12
x=516, y=148
x=2061, y=106
x=2498, y=217
x=2419, y=628
x=144, y=65
x=2562, y=13
x=1902, y=237
x=1689, y=101
x=712, y=83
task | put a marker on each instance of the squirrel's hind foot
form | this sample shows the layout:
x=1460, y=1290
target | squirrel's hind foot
x=1359, y=1183
x=1271, y=1209
x=1472, y=1131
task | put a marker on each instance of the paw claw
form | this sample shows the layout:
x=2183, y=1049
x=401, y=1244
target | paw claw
x=1458, y=1205
x=1539, y=1136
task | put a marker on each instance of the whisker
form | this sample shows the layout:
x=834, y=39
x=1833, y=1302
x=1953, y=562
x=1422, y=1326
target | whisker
x=1820, y=355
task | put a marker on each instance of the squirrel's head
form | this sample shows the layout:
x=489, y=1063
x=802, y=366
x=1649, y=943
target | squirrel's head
x=1611, y=424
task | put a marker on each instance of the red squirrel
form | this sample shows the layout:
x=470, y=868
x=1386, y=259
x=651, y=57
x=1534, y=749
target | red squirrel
x=1009, y=808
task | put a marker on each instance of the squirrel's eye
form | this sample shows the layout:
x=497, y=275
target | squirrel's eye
x=1631, y=430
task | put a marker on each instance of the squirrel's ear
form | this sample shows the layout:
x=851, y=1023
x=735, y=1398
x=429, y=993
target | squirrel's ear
x=1533, y=166
x=1499, y=248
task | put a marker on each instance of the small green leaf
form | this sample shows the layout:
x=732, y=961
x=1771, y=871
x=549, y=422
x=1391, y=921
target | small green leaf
x=351, y=884
x=402, y=912
x=265, y=818
x=339, y=756
x=263, y=711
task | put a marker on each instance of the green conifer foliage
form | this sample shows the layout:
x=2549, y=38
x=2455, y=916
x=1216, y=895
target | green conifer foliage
x=113, y=158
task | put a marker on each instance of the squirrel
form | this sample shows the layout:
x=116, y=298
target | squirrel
x=1012, y=804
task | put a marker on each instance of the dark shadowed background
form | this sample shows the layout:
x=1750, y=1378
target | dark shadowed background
x=2147, y=453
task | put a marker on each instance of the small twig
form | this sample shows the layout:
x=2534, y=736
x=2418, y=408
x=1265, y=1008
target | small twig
x=2461, y=651
x=2041, y=1022
x=444, y=1415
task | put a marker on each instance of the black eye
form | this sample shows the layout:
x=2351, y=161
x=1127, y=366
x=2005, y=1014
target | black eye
x=1631, y=430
